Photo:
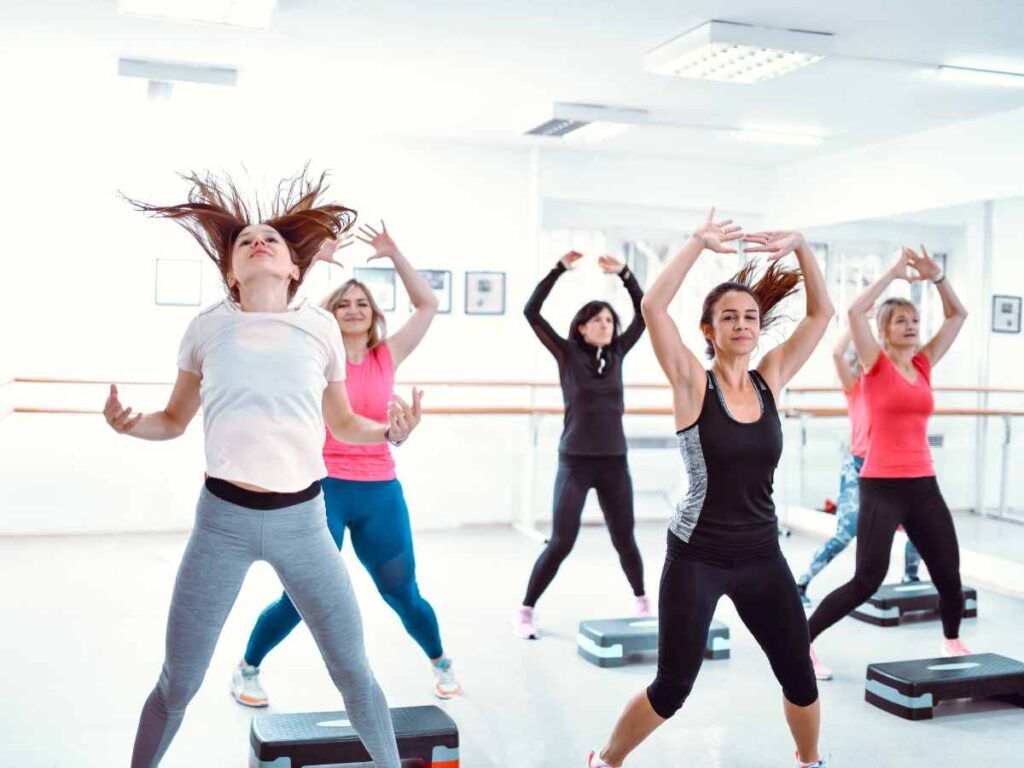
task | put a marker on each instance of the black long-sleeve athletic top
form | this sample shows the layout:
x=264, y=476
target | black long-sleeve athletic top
x=591, y=377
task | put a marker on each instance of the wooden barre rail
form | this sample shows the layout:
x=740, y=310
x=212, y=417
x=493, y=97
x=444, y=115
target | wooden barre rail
x=989, y=390
x=526, y=410
x=500, y=383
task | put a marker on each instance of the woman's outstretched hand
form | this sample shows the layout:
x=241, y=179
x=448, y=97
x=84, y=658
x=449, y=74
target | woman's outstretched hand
x=775, y=243
x=906, y=269
x=570, y=258
x=383, y=246
x=402, y=417
x=330, y=247
x=715, y=234
x=610, y=265
x=925, y=265
x=120, y=419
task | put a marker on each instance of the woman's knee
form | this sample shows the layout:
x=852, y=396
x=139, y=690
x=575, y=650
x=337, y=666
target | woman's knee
x=667, y=696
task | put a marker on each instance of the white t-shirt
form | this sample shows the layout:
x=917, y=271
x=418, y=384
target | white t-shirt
x=263, y=379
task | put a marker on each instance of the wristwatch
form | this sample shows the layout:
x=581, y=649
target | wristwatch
x=387, y=436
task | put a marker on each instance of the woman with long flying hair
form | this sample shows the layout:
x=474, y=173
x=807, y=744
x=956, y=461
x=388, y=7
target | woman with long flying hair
x=268, y=376
x=361, y=491
x=723, y=537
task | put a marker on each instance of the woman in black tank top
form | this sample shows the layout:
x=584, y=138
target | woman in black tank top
x=723, y=535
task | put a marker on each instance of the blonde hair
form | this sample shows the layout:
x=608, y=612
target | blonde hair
x=885, y=312
x=378, y=325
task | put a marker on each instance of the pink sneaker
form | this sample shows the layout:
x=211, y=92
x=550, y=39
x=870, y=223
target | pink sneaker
x=954, y=648
x=643, y=607
x=523, y=625
x=595, y=761
x=821, y=672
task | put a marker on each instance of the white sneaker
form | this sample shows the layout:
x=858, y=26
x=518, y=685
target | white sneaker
x=821, y=672
x=523, y=625
x=246, y=688
x=445, y=684
x=643, y=607
x=595, y=761
x=955, y=647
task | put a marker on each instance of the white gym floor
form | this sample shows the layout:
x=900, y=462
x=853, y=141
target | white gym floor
x=82, y=641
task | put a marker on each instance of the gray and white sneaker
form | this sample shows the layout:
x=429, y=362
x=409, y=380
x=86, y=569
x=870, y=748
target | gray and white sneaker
x=446, y=686
x=246, y=687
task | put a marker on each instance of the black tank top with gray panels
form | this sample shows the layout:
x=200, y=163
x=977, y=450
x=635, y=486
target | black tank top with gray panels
x=728, y=513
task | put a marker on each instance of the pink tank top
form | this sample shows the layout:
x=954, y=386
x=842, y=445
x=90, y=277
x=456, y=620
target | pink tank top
x=370, y=385
x=860, y=419
x=899, y=413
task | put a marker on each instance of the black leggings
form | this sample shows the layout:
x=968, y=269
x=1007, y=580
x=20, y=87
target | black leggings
x=609, y=476
x=766, y=599
x=916, y=503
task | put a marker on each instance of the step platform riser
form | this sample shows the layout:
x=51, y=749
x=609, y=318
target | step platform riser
x=912, y=689
x=615, y=642
x=893, y=602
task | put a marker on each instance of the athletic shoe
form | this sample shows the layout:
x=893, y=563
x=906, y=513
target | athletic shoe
x=821, y=672
x=819, y=763
x=909, y=579
x=523, y=626
x=246, y=688
x=954, y=648
x=643, y=607
x=445, y=684
x=595, y=761
x=802, y=589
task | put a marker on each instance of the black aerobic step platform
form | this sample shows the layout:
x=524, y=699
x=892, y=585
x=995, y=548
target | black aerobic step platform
x=427, y=738
x=888, y=605
x=610, y=642
x=911, y=689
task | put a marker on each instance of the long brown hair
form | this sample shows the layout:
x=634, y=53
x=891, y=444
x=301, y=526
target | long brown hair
x=378, y=325
x=777, y=283
x=216, y=212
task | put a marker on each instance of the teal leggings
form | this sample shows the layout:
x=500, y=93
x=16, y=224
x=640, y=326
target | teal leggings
x=378, y=518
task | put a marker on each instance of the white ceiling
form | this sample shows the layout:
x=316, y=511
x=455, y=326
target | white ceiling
x=487, y=71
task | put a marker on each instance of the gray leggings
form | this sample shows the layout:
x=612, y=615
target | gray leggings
x=226, y=540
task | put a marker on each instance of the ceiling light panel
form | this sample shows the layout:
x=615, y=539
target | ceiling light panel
x=737, y=53
x=238, y=13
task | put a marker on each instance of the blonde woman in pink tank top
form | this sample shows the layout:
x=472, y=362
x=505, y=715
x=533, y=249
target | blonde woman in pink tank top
x=362, y=493
x=848, y=504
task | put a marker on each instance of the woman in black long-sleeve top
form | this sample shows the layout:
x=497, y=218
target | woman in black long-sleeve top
x=592, y=451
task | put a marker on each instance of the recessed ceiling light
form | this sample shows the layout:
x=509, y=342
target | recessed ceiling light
x=981, y=76
x=239, y=13
x=737, y=53
x=589, y=122
x=777, y=137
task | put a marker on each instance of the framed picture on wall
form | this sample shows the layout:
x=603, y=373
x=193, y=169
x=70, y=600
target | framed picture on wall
x=485, y=293
x=440, y=282
x=381, y=282
x=1006, y=314
x=179, y=282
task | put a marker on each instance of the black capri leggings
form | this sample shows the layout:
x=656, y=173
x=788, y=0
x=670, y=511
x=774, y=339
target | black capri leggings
x=609, y=476
x=765, y=595
x=916, y=503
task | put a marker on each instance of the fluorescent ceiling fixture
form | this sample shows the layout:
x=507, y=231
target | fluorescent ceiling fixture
x=172, y=71
x=982, y=76
x=595, y=132
x=589, y=122
x=774, y=137
x=239, y=13
x=737, y=53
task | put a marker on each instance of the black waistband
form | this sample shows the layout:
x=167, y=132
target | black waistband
x=233, y=494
